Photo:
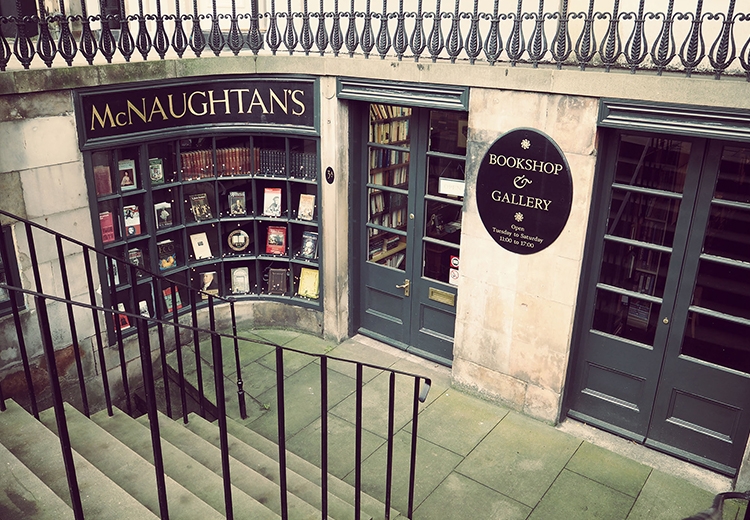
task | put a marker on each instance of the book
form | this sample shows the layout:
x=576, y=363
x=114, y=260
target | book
x=308, y=283
x=240, y=280
x=309, y=247
x=163, y=212
x=156, y=171
x=306, y=206
x=201, y=208
x=107, y=225
x=209, y=284
x=272, y=202
x=135, y=256
x=143, y=309
x=114, y=270
x=276, y=240
x=167, y=254
x=132, y=219
x=201, y=247
x=126, y=167
x=102, y=180
x=277, y=281
x=122, y=319
x=169, y=301
x=237, y=205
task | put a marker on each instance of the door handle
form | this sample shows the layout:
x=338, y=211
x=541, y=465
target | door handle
x=405, y=287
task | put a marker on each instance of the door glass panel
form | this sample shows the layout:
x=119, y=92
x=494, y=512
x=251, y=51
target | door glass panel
x=652, y=163
x=638, y=216
x=718, y=324
x=448, y=132
x=627, y=317
x=637, y=269
x=388, y=185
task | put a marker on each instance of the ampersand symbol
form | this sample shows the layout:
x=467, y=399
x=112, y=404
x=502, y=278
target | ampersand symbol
x=521, y=182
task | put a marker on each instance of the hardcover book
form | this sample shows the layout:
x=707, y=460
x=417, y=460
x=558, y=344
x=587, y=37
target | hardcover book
x=169, y=301
x=209, y=284
x=277, y=281
x=102, y=180
x=156, y=170
x=308, y=283
x=167, y=254
x=121, y=318
x=163, y=212
x=306, y=206
x=201, y=247
x=240, y=280
x=126, y=168
x=276, y=240
x=132, y=219
x=237, y=205
x=201, y=208
x=135, y=256
x=272, y=202
x=309, y=247
x=107, y=225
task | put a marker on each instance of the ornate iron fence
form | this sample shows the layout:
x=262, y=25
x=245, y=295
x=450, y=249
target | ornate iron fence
x=687, y=41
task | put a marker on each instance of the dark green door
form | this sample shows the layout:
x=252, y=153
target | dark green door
x=412, y=202
x=663, y=352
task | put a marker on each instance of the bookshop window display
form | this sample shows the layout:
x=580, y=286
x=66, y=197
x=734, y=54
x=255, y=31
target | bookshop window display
x=230, y=215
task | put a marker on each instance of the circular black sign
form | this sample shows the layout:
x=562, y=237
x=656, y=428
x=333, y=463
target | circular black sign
x=524, y=191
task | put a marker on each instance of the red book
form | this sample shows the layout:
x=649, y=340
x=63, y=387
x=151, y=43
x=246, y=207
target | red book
x=276, y=241
x=107, y=225
x=102, y=180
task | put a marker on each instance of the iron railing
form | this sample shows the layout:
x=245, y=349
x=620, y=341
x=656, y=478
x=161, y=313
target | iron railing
x=681, y=37
x=32, y=237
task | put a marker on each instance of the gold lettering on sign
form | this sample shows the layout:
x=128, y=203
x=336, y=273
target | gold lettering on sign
x=190, y=104
x=257, y=100
x=297, y=101
x=184, y=105
x=521, y=200
x=157, y=108
x=96, y=116
x=240, y=97
x=213, y=101
x=140, y=113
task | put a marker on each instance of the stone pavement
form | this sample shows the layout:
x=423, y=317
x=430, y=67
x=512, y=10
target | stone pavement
x=476, y=460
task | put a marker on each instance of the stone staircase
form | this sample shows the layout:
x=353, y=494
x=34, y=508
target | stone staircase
x=114, y=465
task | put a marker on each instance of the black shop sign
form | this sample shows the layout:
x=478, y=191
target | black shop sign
x=524, y=191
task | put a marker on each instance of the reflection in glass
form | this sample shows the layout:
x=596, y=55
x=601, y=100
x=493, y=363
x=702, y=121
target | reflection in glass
x=440, y=262
x=389, y=124
x=445, y=177
x=734, y=175
x=652, y=163
x=448, y=132
x=718, y=341
x=723, y=288
x=728, y=233
x=626, y=317
x=638, y=216
x=637, y=269
x=443, y=221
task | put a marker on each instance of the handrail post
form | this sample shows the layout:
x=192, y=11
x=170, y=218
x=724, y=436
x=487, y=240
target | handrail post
x=222, y=409
x=281, y=430
x=389, y=456
x=197, y=351
x=324, y=436
x=238, y=366
x=147, y=371
x=57, y=403
x=358, y=446
x=98, y=330
x=413, y=460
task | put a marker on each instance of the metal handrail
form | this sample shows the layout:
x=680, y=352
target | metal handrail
x=660, y=41
x=142, y=326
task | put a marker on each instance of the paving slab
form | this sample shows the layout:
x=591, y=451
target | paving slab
x=433, y=465
x=458, y=422
x=667, y=497
x=460, y=497
x=574, y=496
x=520, y=458
x=614, y=471
x=341, y=449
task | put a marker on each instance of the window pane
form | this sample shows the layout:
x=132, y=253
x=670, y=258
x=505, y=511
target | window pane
x=389, y=124
x=734, y=175
x=638, y=269
x=440, y=263
x=389, y=167
x=626, y=317
x=728, y=233
x=445, y=178
x=717, y=341
x=448, y=132
x=723, y=288
x=638, y=216
x=652, y=163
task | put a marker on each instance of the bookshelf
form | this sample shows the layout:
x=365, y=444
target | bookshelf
x=388, y=184
x=233, y=216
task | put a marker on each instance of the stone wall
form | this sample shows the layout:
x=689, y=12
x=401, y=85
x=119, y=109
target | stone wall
x=515, y=312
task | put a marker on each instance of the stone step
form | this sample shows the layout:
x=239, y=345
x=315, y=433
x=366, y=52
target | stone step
x=201, y=481
x=127, y=469
x=248, y=480
x=24, y=496
x=302, y=467
x=269, y=468
x=39, y=450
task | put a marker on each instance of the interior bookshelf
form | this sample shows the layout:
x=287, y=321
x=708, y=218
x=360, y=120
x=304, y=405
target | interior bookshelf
x=232, y=216
x=388, y=184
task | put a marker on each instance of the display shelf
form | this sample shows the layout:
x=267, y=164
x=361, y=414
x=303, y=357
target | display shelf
x=218, y=194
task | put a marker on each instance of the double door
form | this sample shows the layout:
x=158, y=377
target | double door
x=663, y=338
x=412, y=202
